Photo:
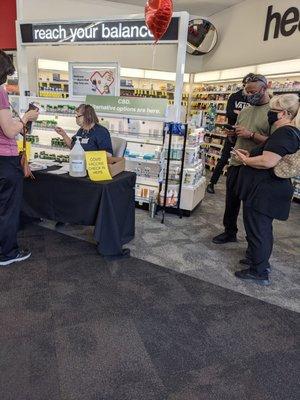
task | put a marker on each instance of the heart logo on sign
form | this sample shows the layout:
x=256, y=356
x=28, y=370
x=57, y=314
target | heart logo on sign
x=101, y=82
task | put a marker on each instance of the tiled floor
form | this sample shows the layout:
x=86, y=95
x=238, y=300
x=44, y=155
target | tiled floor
x=185, y=245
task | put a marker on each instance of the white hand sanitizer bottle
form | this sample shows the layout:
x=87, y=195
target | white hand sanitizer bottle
x=77, y=164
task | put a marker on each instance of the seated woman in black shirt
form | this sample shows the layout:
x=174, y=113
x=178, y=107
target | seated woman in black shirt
x=93, y=136
x=265, y=196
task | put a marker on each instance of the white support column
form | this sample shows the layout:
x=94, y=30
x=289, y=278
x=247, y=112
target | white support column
x=21, y=57
x=22, y=68
x=191, y=87
x=181, y=59
x=20, y=9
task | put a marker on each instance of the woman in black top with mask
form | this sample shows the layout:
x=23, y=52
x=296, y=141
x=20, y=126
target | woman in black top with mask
x=265, y=196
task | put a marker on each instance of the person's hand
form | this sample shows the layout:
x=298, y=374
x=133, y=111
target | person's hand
x=60, y=131
x=245, y=152
x=230, y=133
x=242, y=132
x=240, y=156
x=31, y=115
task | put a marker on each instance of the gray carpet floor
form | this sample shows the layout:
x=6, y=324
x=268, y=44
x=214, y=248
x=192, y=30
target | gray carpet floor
x=184, y=245
x=77, y=327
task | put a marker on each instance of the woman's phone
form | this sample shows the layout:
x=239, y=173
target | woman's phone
x=31, y=106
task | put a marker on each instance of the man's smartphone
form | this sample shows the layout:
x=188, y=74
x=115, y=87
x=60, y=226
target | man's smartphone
x=228, y=127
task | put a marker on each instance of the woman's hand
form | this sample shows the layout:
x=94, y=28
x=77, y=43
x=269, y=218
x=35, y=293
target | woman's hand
x=241, y=155
x=64, y=135
x=60, y=131
x=31, y=115
x=245, y=152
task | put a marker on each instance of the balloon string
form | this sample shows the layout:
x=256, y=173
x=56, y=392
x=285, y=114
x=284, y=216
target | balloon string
x=153, y=54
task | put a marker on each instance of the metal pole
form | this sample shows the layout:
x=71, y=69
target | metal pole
x=181, y=171
x=167, y=176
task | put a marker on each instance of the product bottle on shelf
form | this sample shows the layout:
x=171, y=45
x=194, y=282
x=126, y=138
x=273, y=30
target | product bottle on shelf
x=77, y=164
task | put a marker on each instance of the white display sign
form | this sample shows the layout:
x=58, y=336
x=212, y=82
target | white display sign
x=101, y=79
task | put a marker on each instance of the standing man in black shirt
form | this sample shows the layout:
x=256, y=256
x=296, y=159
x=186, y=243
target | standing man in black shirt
x=236, y=102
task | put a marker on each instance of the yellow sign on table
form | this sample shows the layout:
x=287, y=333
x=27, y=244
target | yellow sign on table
x=28, y=148
x=96, y=164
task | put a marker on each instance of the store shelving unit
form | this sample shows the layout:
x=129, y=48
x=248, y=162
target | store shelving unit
x=183, y=180
x=55, y=83
x=145, y=144
x=171, y=198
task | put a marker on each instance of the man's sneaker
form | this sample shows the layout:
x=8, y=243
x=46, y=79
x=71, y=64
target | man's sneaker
x=224, y=238
x=248, y=274
x=21, y=256
x=210, y=188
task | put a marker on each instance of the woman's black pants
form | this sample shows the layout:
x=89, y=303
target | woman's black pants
x=11, y=192
x=259, y=231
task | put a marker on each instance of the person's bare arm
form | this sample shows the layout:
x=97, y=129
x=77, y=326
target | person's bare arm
x=12, y=127
x=64, y=135
x=245, y=133
x=266, y=161
x=258, y=138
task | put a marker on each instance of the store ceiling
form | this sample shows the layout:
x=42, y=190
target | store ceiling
x=203, y=8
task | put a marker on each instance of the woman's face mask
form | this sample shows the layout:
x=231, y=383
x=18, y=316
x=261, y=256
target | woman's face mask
x=273, y=117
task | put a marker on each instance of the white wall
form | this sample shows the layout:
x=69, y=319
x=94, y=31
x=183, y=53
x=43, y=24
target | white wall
x=56, y=10
x=241, y=29
x=130, y=56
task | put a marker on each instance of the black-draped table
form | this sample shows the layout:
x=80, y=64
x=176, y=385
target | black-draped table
x=108, y=205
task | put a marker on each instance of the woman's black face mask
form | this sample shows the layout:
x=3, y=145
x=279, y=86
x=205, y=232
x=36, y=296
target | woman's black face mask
x=272, y=117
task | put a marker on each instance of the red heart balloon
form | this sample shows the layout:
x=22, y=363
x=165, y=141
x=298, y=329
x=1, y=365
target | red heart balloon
x=158, y=15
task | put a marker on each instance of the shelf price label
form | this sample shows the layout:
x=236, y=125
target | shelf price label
x=97, y=166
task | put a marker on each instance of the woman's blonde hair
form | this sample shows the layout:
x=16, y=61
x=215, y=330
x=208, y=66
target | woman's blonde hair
x=289, y=103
